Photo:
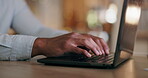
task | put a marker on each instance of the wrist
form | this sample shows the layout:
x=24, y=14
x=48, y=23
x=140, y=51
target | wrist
x=38, y=46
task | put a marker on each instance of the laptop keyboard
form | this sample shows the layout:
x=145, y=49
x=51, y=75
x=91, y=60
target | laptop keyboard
x=102, y=59
x=99, y=59
x=105, y=59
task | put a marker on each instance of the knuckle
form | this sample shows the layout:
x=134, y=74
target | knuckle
x=93, y=48
x=98, y=41
x=86, y=35
x=106, y=47
x=101, y=38
x=98, y=48
x=74, y=33
x=89, y=39
x=89, y=36
x=85, y=41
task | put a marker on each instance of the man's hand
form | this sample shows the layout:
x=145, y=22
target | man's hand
x=70, y=43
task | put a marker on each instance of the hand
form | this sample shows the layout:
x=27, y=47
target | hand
x=70, y=43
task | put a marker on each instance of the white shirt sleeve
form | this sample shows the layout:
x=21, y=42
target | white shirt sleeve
x=15, y=47
x=19, y=47
x=24, y=22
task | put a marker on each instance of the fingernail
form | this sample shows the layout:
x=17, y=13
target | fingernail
x=100, y=52
x=107, y=51
x=88, y=55
x=103, y=52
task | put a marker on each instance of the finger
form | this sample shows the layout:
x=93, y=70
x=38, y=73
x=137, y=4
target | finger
x=81, y=51
x=90, y=44
x=105, y=46
x=100, y=47
x=102, y=44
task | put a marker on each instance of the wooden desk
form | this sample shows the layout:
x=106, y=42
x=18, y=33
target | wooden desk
x=134, y=68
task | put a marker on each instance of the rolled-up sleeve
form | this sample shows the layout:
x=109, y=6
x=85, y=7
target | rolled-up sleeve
x=16, y=47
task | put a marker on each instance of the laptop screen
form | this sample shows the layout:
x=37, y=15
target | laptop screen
x=131, y=12
x=131, y=19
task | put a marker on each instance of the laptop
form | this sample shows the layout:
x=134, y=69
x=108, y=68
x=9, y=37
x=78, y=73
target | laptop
x=124, y=47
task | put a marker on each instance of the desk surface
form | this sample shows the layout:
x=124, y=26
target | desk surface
x=133, y=68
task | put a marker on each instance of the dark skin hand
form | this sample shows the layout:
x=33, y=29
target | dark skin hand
x=71, y=42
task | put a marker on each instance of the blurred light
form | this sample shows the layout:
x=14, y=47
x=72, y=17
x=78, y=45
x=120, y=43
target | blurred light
x=111, y=14
x=133, y=14
x=102, y=16
x=92, y=19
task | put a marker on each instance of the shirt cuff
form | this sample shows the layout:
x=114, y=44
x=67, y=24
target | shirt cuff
x=21, y=47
